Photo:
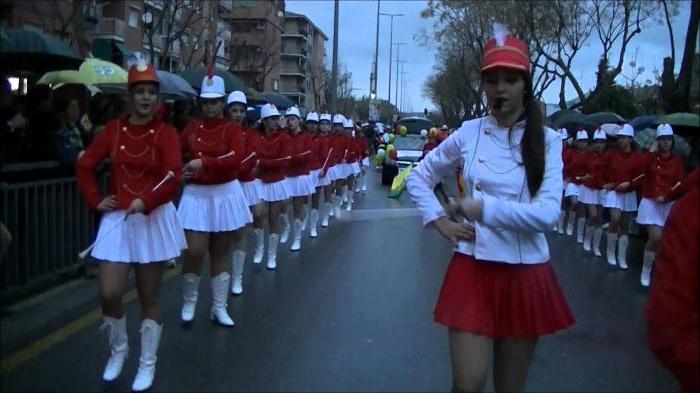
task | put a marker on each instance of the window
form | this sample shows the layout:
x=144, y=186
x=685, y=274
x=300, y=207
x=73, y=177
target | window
x=134, y=15
x=275, y=85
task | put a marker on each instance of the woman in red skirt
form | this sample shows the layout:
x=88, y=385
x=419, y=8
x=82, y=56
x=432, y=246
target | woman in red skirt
x=500, y=293
x=139, y=226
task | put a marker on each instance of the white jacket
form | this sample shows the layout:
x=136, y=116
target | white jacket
x=513, y=223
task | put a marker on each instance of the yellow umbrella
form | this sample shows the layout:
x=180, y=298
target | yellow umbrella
x=91, y=72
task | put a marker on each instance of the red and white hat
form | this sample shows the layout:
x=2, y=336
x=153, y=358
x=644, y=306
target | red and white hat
x=140, y=72
x=505, y=51
x=664, y=130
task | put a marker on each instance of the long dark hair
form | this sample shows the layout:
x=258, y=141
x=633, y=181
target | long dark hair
x=532, y=144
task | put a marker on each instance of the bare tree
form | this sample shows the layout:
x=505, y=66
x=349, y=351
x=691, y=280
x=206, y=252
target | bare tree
x=320, y=79
x=675, y=92
x=168, y=25
x=72, y=18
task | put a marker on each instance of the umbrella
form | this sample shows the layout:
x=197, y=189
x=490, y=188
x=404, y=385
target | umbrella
x=642, y=122
x=574, y=121
x=174, y=84
x=91, y=72
x=680, y=119
x=279, y=100
x=605, y=117
x=554, y=116
x=195, y=76
x=647, y=136
x=30, y=50
x=254, y=96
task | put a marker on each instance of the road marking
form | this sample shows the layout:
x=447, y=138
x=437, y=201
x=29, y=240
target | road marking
x=33, y=350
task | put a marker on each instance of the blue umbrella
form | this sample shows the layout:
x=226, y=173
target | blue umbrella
x=642, y=122
x=278, y=100
x=175, y=83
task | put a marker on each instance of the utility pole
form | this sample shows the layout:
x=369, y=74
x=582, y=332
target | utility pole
x=373, y=79
x=391, y=49
x=398, y=60
x=399, y=84
x=334, y=72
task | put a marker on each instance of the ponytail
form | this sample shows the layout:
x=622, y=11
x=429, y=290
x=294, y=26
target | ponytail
x=532, y=144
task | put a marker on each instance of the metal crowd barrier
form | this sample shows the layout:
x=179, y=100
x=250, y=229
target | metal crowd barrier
x=50, y=225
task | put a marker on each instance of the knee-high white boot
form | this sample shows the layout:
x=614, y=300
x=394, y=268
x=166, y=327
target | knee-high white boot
x=580, y=230
x=610, y=248
x=345, y=194
x=597, y=236
x=313, y=222
x=286, y=228
x=560, y=225
x=296, y=235
x=364, y=183
x=622, y=251
x=588, y=238
x=331, y=202
x=118, y=347
x=305, y=221
x=337, y=206
x=351, y=199
x=571, y=223
x=190, y=291
x=150, y=340
x=237, y=264
x=272, y=251
x=259, y=245
x=219, y=288
x=649, y=257
x=327, y=209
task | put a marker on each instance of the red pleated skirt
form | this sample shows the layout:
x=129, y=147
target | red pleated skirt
x=501, y=300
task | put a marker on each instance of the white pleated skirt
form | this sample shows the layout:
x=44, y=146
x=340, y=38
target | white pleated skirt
x=156, y=237
x=590, y=196
x=214, y=207
x=355, y=168
x=365, y=161
x=299, y=186
x=347, y=170
x=572, y=189
x=274, y=192
x=624, y=201
x=653, y=213
x=335, y=173
x=251, y=190
x=321, y=181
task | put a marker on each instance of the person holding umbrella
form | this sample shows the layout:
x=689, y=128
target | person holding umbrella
x=213, y=208
x=660, y=172
x=145, y=173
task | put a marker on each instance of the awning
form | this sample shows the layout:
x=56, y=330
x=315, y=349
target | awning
x=122, y=49
x=108, y=49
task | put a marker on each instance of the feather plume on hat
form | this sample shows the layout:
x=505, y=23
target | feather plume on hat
x=500, y=31
x=137, y=59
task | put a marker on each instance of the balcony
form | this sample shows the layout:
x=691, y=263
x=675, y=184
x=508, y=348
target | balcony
x=295, y=52
x=110, y=28
x=293, y=73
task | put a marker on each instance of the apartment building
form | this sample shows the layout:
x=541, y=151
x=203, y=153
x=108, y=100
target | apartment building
x=176, y=34
x=256, y=28
x=303, y=62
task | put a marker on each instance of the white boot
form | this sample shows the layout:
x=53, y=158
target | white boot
x=351, y=199
x=649, y=257
x=588, y=238
x=610, y=249
x=296, y=235
x=345, y=194
x=331, y=203
x=622, y=251
x=260, y=245
x=118, y=347
x=313, y=221
x=364, y=183
x=326, y=214
x=570, y=224
x=305, y=221
x=286, y=228
x=190, y=290
x=150, y=339
x=597, y=236
x=580, y=230
x=219, y=288
x=237, y=263
x=560, y=226
x=337, y=206
x=272, y=251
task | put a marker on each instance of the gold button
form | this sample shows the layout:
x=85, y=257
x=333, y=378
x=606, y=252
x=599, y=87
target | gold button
x=122, y=147
x=199, y=139
x=151, y=131
x=201, y=126
x=200, y=153
x=487, y=131
x=478, y=187
x=123, y=128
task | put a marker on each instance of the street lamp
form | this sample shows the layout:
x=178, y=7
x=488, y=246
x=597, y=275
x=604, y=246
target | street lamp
x=398, y=60
x=391, y=48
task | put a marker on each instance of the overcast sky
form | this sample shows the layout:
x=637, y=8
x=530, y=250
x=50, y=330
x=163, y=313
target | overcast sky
x=357, y=29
